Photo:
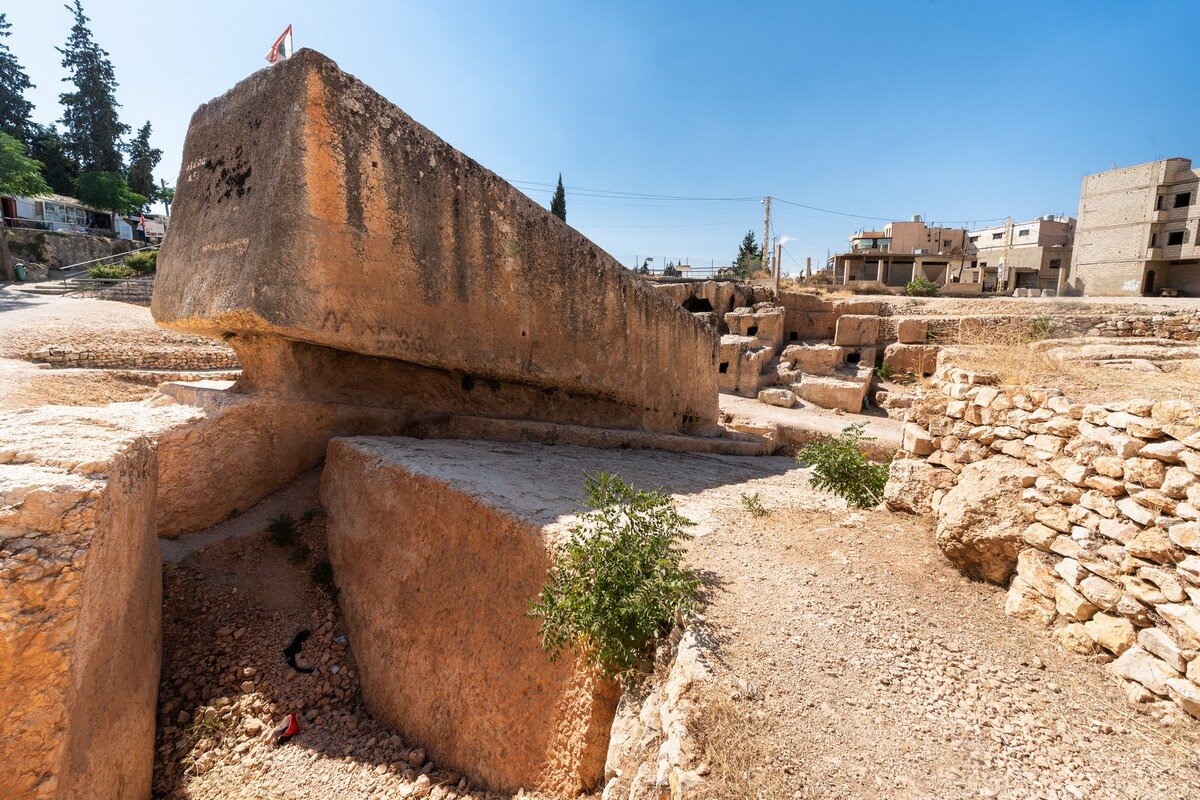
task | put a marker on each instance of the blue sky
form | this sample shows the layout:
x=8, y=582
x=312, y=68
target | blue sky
x=955, y=110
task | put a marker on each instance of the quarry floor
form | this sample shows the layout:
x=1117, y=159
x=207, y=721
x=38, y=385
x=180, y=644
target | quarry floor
x=29, y=322
x=858, y=663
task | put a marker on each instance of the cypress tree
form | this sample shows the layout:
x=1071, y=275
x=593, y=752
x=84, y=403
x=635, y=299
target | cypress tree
x=54, y=152
x=558, y=203
x=14, y=108
x=90, y=112
x=142, y=160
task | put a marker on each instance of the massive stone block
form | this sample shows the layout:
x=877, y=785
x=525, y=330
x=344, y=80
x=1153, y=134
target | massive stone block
x=348, y=254
x=437, y=548
x=80, y=608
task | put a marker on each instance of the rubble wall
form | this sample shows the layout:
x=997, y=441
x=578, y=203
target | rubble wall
x=345, y=224
x=1106, y=549
x=80, y=609
x=446, y=651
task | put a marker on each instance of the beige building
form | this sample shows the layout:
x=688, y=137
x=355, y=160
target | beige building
x=1138, y=231
x=901, y=253
x=1021, y=255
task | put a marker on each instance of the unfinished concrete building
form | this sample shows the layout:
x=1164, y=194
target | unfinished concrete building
x=1032, y=258
x=901, y=253
x=1138, y=231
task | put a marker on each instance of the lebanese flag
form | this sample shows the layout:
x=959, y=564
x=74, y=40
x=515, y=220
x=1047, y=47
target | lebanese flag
x=282, y=48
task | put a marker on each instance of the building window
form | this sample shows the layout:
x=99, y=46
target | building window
x=1174, y=237
x=945, y=243
x=1183, y=199
x=1055, y=263
x=974, y=239
x=982, y=264
x=1158, y=204
x=1023, y=232
x=1154, y=240
x=997, y=235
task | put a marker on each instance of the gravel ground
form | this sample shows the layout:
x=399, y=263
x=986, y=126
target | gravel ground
x=881, y=672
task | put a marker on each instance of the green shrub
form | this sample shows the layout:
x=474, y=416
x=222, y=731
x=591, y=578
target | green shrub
x=840, y=467
x=883, y=372
x=322, y=575
x=300, y=553
x=110, y=271
x=618, y=583
x=142, y=263
x=754, y=506
x=921, y=287
x=282, y=530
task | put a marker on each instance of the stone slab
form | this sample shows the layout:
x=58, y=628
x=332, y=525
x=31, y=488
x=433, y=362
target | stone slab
x=345, y=227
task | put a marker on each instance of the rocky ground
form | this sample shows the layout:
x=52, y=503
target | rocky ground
x=31, y=322
x=851, y=661
x=878, y=671
x=229, y=612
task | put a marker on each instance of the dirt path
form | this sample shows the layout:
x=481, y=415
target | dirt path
x=878, y=671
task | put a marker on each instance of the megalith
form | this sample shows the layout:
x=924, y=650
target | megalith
x=350, y=255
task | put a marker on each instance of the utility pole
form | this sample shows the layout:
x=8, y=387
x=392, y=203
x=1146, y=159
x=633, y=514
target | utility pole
x=778, y=255
x=766, y=240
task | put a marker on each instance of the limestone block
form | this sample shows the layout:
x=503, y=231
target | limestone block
x=777, y=397
x=1186, y=694
x=848, y=391
x=916, y=440
x=911, y=359
x=816, y=359
x=912, y=331
x=447, y=654
x=347, y=230
x=1115, y=634
x=1135, y=664
x=1025, y=602
x=910, y=486
x=1184, y=619
x=856, y=330
x=1158, y=642
x=741, y=364
x=80, y=607
x=980, y=524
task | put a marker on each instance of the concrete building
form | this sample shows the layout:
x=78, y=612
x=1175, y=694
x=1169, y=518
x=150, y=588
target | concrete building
x=1021, y=255
x=901, y=253
x=1138, y=231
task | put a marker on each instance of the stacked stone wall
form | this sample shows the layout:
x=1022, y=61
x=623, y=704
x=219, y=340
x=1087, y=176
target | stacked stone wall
x=1107, y=552
x=101, y=356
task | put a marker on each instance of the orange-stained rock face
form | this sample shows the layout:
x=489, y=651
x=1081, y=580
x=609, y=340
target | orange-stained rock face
x=437, y=549
x=80, y=608
x=311, y=210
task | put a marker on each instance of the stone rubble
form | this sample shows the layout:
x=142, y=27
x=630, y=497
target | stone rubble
x=1105, y=503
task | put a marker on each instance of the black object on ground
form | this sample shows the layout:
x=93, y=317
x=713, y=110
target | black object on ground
x=292, y=650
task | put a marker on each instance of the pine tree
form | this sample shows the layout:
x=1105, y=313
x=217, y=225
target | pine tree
x=558, y=203
x=48, y=146
x=749, y=256
x=142, y=160
x=90, y=112
x=14, y=108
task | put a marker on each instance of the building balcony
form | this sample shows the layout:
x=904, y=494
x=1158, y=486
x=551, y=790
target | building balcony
x=1154, y=253
x=1160, y=215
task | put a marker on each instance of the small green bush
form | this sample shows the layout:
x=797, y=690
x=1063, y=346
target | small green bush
x=322, y=575
x=618, y=583
x=754, y=506
x=840, y=467
x=883, y=372
x=142, y=263
x=921, y=287
x=300, y=553
x=282, y=530
x=110, y=271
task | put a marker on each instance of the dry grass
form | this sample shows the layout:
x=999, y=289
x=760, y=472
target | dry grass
x=1005, y=348
x=735, y=747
